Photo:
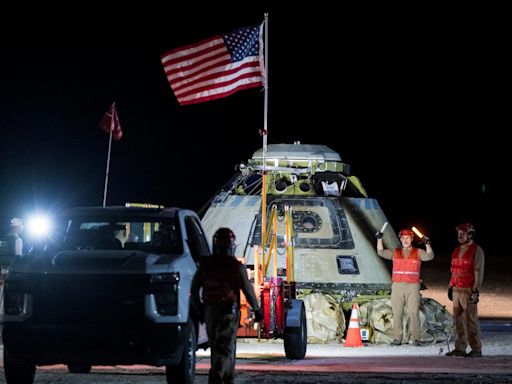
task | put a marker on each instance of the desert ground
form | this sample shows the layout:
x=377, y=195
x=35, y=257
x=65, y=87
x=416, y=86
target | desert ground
x=495, y=295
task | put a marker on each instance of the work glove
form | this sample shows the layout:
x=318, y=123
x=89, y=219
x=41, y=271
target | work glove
x=379, y=235
x=475, y=296
x=450, y=293
x=258, y=316
x=426, y=240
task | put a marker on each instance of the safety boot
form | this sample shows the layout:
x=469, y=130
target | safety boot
x=456, y=353
x=474, y=354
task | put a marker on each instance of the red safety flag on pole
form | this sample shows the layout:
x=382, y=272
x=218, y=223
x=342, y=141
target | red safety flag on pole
x=216, y=67
x=110, y=123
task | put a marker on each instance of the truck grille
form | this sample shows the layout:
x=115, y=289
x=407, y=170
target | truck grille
x=75, y=299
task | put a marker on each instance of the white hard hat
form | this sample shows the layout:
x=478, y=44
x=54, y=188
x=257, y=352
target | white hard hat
x=16, y=222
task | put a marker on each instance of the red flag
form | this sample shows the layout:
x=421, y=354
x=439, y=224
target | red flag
x=110, y=122
x=216, y=67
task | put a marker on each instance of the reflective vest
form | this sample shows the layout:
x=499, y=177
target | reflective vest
x=406, y=270
x=463, y=268
x=221, y=280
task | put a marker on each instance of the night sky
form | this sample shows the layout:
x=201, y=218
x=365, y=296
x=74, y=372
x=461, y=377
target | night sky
x=417, y=104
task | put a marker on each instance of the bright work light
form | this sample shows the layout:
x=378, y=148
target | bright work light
x=39, y=226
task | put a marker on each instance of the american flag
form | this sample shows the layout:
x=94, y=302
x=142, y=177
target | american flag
x=216, y=67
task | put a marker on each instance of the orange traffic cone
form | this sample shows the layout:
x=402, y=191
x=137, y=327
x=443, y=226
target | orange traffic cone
x=354, y=333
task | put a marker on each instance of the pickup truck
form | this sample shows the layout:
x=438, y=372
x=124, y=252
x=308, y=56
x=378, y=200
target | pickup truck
x=110, y=286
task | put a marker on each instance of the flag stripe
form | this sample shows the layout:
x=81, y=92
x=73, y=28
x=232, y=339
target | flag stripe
x=193, y=60
x=227, y=86
x=211, y=96
x=197, y=72
x=216, y=67
x=191, y=51
x=190, y=70
x=218, y=74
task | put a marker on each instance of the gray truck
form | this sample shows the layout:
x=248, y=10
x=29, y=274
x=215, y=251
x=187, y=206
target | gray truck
x=110, y=286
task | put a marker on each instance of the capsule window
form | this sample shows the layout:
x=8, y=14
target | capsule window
x=347, y=265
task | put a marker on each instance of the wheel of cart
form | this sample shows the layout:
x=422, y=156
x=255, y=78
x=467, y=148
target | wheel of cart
x=295, y=331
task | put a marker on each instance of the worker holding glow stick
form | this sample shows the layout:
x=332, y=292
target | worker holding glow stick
x=405, y=288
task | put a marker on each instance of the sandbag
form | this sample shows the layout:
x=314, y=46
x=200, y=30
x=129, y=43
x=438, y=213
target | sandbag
x=325, y=320
x=436, y=322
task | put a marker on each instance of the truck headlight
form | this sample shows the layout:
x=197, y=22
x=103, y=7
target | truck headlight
x=17, y=300
x=164, y=287
x=14, y=303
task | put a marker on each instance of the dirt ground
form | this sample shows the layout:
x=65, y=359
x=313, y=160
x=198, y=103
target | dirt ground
x=495, y=303
x=495, y=295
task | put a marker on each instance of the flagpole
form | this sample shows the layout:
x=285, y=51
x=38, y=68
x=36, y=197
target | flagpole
x=265, y=131
x=108, y=156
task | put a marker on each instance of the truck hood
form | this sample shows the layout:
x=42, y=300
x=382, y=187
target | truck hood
x=96, y=261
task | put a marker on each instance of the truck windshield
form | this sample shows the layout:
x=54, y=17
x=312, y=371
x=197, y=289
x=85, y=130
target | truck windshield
x=159, y=237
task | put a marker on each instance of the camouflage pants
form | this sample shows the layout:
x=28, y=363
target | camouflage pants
x=406, y=295
x=221, y=326
x=467, y=325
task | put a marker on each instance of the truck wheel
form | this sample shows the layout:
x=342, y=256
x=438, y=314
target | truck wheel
x=79, y=368
x=184, y=372
x=296, y=339
x=18, y=371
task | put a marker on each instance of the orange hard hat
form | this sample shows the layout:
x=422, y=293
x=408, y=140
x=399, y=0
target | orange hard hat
x=406, y=232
